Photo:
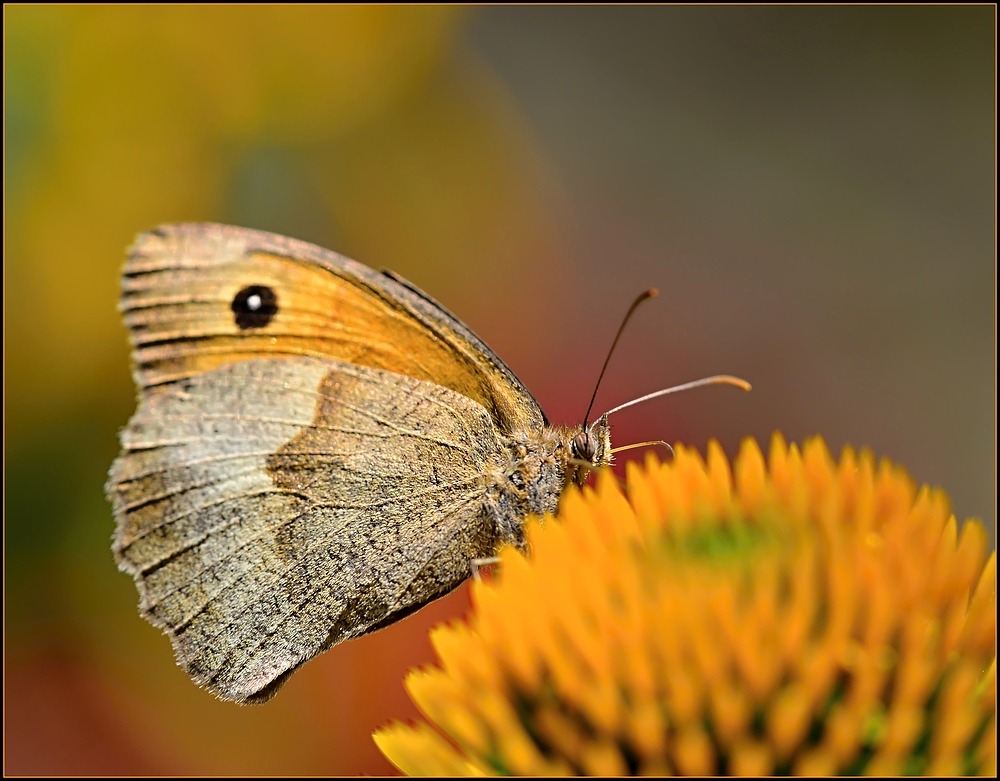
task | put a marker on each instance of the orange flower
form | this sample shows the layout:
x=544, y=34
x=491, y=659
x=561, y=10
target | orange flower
x=795, y=615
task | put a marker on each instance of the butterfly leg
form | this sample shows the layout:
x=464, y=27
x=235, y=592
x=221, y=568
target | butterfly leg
x=476, y=564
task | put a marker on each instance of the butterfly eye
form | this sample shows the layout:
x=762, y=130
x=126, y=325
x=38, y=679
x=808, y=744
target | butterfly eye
x=585, y=446
x=254, y=307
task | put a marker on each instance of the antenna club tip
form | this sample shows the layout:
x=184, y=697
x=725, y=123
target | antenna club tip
x=652, y=293
x=737, y=382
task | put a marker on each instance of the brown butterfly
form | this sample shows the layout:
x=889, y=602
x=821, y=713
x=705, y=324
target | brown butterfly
x=319, y=450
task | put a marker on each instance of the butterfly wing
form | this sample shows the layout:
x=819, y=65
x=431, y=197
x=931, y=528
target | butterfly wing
x=270, y=508
x=311, y=453
x=199, y=295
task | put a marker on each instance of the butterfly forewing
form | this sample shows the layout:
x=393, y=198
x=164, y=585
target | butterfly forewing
x=181, y=283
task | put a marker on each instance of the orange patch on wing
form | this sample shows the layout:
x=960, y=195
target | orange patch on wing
x=179, y=287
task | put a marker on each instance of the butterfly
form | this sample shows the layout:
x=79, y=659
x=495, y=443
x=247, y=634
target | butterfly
x=319, y=450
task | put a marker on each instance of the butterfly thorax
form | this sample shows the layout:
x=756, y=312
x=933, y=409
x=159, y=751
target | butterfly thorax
x=543, y=462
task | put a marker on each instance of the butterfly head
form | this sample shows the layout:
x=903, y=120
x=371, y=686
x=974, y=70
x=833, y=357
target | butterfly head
x=592, y=446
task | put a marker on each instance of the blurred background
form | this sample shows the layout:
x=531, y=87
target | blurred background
x=811, y=189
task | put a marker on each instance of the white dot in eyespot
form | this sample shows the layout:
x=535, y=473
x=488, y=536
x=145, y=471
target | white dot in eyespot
x=254, y=302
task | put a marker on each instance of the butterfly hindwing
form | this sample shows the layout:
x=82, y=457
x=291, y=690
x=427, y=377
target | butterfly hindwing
x=270, y=508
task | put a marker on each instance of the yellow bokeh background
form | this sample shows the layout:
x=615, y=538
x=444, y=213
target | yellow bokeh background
x=532, y=169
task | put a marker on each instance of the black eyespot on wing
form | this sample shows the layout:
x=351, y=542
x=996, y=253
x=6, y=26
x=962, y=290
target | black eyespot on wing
x=254, y=307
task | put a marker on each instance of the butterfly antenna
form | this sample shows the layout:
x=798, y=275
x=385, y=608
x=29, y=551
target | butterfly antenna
x=651, y=293
x=719, y=379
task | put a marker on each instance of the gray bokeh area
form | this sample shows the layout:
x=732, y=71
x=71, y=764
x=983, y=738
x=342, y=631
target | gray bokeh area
x=812, y=190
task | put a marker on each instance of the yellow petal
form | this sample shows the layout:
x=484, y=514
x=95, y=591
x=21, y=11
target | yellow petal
x=420, y=751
